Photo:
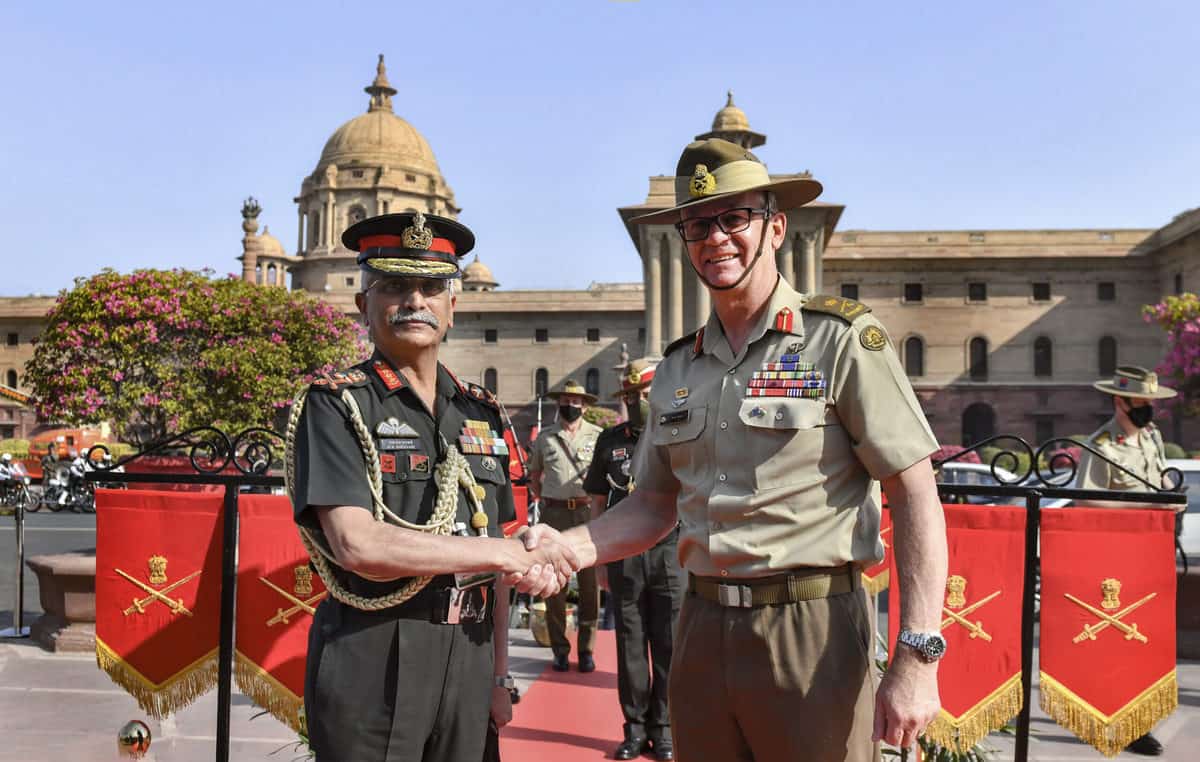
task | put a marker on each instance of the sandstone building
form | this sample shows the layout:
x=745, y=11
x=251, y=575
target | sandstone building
x=1001, y=331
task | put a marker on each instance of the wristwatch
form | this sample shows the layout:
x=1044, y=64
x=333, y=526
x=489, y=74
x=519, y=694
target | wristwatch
x=506, y=682
x=931, y=645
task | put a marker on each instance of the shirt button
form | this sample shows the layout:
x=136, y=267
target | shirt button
x=724, y=572
x=779, y=416
x=721, y=477
x=724, y=424
x=674, y=432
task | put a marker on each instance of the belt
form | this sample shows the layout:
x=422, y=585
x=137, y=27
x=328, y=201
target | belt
x=441, y=604
x=789, y=587
x=570, y=503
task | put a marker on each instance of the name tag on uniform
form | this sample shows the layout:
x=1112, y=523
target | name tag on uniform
x=620, y=453
x=679, y=416
x=399, y=444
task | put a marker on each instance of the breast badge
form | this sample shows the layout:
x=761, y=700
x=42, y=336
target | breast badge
x=788, y=377
x=478, y=438
x=872, y=338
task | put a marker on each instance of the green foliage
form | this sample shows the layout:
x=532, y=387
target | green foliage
x=601, y=416
x=161, y=351
x=1179, y=316
x=1173, y=450
x=18, y=447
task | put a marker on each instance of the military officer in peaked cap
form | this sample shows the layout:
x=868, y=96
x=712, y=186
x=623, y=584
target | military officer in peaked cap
x=1136, y=459
x=647, y=588
x=400, y=483
x=770, y=431
x=557, y=466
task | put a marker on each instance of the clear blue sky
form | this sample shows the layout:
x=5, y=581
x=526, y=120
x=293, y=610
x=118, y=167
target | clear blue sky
x=131, y=132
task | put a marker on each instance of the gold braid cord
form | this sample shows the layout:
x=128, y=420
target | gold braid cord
x=453, y=472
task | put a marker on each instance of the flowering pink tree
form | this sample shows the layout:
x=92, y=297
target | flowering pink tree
x=1180, y=316
x=157, y=352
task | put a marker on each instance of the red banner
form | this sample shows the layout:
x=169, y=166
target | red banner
x=979, y=679
x=277, y=595
x=875, y=578
x=158, y=594
x=1108, y=622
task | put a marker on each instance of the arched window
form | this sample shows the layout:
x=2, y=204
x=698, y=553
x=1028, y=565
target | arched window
x=541, y=382
x=271, y=275
x=914, y=356
x=1043, y=357
x=592, y=382
x=1108, y=356
x=258, y=274
x=978, y=423
x=10, y=379
x=489, y=380
x=978, y=353
x=356, y=214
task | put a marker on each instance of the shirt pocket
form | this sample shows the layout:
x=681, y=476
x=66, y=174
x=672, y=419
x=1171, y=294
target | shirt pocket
x=679, y=431
x=403, y=466
x=786, y=438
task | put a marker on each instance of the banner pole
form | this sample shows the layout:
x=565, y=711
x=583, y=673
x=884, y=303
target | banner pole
x=228, y=602
x=18, y=629
x=1033, y=520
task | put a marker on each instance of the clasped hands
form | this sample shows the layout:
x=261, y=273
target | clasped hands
x=538, y=561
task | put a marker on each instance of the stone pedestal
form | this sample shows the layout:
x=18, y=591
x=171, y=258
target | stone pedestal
x=1187, y=614
x=67, y=591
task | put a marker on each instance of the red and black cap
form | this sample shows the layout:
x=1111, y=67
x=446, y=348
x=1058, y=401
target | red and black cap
x=410, y=244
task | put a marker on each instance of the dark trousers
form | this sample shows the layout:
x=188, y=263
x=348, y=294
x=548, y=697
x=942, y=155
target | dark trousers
x=562, y=519
x=648, y=589
x=382, y=688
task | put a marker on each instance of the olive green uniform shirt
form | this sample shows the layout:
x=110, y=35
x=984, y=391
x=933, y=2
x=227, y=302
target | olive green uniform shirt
x=563, y=459
x=1143, y=455
x=764, y=484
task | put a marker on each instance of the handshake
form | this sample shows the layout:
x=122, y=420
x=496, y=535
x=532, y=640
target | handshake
x=538, y=560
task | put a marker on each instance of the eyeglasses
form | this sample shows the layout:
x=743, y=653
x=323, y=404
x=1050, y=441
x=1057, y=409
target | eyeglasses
x=429, y=287
x=729, y=222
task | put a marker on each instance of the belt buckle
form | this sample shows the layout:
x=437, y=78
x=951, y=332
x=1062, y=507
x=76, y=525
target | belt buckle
x=736, y=596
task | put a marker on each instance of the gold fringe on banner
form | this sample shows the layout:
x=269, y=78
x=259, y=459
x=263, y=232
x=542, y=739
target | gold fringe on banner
x=992, y=713
x=877, y=584
x=1109, y=734
x=269, y=693
x=160, y=699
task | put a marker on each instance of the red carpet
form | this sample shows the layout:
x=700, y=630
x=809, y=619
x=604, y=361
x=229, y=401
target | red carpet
x=566, y=716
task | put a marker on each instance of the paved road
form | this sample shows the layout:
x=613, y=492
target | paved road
x=45, y=533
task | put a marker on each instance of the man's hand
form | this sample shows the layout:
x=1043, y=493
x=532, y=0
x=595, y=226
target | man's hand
x=547, y=564
x=907, y=700
x=501, y=706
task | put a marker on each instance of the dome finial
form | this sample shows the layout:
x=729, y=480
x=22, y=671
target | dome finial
x=381, y=91
x=728, y=98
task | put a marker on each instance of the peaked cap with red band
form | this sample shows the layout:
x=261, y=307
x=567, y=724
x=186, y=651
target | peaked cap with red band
x=410, y=245
x=637, y=375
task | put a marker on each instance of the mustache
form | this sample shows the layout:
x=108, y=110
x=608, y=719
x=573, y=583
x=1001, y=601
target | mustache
x=416, y=316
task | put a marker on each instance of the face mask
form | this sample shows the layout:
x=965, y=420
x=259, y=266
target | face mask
x=569, y=413
x=639, y=413
x=1141, y=416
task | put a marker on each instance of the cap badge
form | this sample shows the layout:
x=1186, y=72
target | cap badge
x=703, y=183
x=416, y=235
x=635, y=376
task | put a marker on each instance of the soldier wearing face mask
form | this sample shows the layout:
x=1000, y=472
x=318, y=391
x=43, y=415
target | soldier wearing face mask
x=557, y=466
x=647, y=588
x=1131, y=441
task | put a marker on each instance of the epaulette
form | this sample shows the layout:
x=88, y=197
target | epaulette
x=838, y=306
x=1103, y=438
x=482, y=394
x=695, y=337
x=341, y=380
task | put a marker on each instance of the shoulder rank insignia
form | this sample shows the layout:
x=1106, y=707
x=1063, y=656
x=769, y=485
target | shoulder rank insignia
x=873, y=338
x=335, y=381
x=1103, y=438
x=839, y=306
x=482, y=394
x=697, y=337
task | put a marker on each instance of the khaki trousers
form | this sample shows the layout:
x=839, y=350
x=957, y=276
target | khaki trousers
x=793, y=681
x=562, y=518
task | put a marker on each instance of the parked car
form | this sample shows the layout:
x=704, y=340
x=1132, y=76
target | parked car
x=1189, y=538
x=981, y=474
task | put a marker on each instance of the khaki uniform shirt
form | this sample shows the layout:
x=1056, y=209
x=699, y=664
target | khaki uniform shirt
x=564, y=464
x=766, y=483
x=1143, y=455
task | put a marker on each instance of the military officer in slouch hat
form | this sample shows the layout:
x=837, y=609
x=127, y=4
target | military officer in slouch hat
x=770, y=431
x=647, y=588
x=399, y=482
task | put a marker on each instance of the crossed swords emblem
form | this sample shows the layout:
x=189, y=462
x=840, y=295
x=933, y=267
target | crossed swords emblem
x=283, y=615
x=160, y=595
x=1111, y=588
x=955, y=600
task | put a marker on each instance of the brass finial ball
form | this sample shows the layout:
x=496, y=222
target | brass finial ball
x=479, y=520
x=133, y=741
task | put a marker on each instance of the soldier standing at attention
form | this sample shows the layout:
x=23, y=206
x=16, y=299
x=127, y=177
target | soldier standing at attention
x=557, y=467
x=770, y=432
x=647, y=589
x=399, y=480
x=1131, y=441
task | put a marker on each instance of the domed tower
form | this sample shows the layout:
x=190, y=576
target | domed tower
x=374, y=164
x=731, y=124
x=478, y=277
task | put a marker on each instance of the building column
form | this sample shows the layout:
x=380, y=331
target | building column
x=675, y=280
x=329, y=221
x=652, y=252
x=785, y=260
x=809, y=279
x=299, y=228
